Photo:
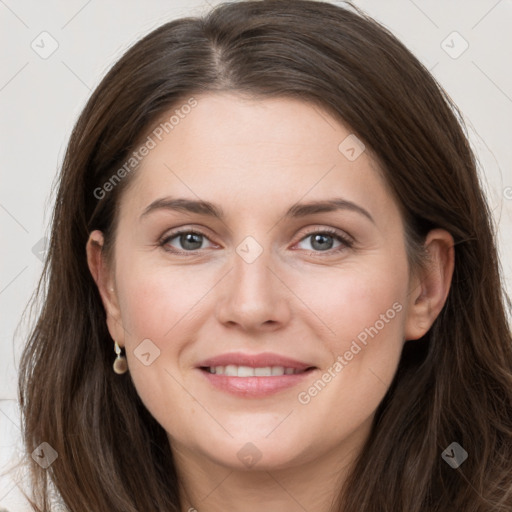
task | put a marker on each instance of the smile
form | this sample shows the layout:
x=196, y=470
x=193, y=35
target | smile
x=247, y=371
x=253, y=375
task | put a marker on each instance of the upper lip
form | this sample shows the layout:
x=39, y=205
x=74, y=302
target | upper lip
x=254, y=361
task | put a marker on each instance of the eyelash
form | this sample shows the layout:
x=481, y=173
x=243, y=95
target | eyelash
x=346, y=243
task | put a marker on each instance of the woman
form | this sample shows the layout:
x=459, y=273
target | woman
x=272, y=282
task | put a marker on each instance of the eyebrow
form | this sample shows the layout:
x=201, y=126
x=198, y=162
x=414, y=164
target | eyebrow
x=295, y=211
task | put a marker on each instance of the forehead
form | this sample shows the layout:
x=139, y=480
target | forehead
x=230, y=148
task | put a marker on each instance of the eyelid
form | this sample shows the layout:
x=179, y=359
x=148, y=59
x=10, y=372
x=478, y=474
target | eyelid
x=330, y=230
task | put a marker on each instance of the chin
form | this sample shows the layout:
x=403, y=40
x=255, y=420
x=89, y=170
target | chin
x=255, y=456
x=254, y=449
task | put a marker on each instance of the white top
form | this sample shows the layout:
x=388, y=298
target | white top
x=13, y=476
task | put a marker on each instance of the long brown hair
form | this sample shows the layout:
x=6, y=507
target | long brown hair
x=453, y=385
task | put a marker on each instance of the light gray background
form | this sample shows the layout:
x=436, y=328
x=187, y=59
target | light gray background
x=40, y=99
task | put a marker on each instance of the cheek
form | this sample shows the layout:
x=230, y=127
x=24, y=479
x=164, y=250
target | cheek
x=158, y=304
x=360, y=303
x=366, y=311
x=370, y=310
x=158, y=300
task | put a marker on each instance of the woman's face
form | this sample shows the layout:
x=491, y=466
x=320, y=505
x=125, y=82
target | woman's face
x=301, y=311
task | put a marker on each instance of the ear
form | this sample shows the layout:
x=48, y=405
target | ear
x=430, y=288
x=103, y=276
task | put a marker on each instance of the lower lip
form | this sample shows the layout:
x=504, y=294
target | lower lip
x=255, y=387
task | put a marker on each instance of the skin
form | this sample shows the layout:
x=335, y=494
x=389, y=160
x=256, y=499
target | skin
x=255, y=159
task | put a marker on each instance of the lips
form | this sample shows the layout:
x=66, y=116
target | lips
x=253, y=375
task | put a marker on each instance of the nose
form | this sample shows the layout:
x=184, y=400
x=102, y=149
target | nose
x=253, y=296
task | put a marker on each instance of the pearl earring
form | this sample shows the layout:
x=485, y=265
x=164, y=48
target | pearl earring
x=120, y=365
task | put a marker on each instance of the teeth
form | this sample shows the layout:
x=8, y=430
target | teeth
x=232, y=370
x=245, y=371
x=263, y=372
